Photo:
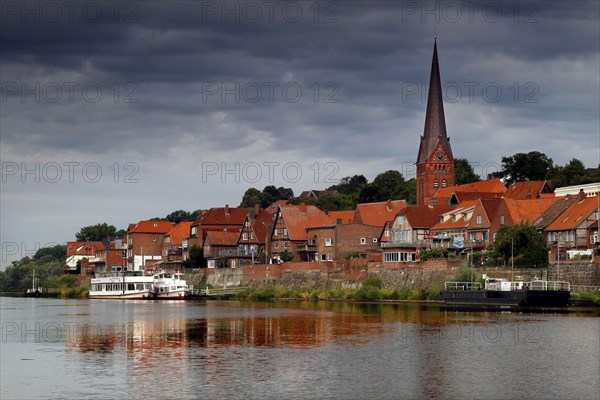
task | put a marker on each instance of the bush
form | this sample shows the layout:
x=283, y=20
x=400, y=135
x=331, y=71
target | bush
x=367, y=293
x=425, y=254
x=373, y=281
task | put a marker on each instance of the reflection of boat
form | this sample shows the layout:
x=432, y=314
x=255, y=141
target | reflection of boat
x=122, y=285
x=170, y=286
x=36, y=289
x=501, y=292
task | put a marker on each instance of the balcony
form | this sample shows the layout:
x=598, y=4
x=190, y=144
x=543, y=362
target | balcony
x=174, y=252
x=235, y=253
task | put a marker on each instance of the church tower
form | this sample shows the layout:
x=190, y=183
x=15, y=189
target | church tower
x=435, y=164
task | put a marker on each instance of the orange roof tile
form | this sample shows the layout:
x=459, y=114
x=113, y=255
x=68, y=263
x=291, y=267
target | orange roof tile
x=345, y=216
x=527, y=210
x=459, y=222
x=84, y=248
x=377, y=214
x=424, y=216
x=224, y=216
x=527, y=190
x=487, y=186
x=557, y=208
x=298, y=217
x=179, y=232
x=575, y=215
x=222, y=238
x=151, y=227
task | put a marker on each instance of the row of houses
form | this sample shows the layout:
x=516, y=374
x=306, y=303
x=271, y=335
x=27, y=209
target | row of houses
x=461, y=218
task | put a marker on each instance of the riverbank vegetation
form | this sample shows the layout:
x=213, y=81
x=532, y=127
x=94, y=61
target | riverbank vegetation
x=48, y=264
x=369, y=290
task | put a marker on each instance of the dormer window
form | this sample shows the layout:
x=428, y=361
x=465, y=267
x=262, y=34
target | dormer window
x=155, y=225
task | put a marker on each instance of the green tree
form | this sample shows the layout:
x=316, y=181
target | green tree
x=286, y=256
x=196, y=259
x=388, y=185
x=350, y=184
x=95, y=233
x=463, y=172
x=532, y=166
x=251, y=197
x=56, y=253
x=522, y=242
x=178, y=216
x=341, y=202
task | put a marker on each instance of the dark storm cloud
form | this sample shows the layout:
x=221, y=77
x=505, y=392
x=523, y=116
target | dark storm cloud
x=166, y=70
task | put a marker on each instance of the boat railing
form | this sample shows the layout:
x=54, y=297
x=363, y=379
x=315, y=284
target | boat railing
x=549, y=285
x=462, y=286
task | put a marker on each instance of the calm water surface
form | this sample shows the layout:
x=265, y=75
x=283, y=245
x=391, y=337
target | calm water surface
x=103, y=349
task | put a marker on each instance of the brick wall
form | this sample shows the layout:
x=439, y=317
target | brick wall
x=348, y=239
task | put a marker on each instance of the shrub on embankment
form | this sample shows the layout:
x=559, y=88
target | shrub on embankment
x=370, y=290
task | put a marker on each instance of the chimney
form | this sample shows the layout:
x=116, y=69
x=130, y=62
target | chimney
x=389, y=205
x=581, y=195
x=226, y=208
x=256, y=209
x=303, y=207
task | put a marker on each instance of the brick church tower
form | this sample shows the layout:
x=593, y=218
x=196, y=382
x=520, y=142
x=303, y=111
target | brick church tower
x=435, y=164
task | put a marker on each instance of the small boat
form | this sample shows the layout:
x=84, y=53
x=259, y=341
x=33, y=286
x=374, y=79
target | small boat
x=504, y=293
x=36, y=289
x=122, y=285
x=169, y=286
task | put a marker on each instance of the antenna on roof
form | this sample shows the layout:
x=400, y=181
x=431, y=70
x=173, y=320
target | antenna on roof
x=435, y=33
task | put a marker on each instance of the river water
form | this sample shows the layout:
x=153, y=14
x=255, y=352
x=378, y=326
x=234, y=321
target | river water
x=109, y=349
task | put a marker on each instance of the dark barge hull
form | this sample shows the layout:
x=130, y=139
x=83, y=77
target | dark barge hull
x=512, y=298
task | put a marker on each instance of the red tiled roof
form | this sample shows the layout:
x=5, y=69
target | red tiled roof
x=298, y=217
x=84, y=248
x=464, y=196
x=527, y=190
x=179, y=232
x=557, y=208
x=527, y=210
x=345, y=216
x=424, y=216
x=377, y=214
x=459, y=222
x=224, y=216
x=487, y=186
x=262, y=225
x=151, y=227
x=575, y=215
x=222, y=238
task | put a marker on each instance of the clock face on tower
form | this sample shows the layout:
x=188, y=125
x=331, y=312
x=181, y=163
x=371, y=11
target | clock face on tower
x=440, y=155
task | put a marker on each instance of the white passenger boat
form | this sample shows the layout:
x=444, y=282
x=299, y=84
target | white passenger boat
x=122, y=285
x=169, y=286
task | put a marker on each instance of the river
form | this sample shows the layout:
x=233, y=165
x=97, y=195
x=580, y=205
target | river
x=109, y=349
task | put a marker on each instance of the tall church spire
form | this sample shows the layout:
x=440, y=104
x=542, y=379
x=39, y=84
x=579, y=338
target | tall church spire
x=435, y=163
x=435, y=123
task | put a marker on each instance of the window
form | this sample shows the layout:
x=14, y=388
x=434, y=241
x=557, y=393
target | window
x=374, y=240
x=276, y=243
x=247, y=223
x=328, y=242
x=323, y=257
x=285, y=231
x=312, y=241
x=444, y=182
x=276, y=232
x=479, y=219
x=399, y=257
x=386, y=233
x=285, y=244
x=330, y=257
x=168, y=239
x=363, y=240
x=502, y=220
x=473, y=236
x=494, y=236
x=435, y=184
x=155, y=225
x=194, y=230
x=245, y=236
x=251, y=235
x=154, y=239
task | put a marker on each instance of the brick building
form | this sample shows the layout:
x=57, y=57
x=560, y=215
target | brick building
x=144, y=243
x=435, y=163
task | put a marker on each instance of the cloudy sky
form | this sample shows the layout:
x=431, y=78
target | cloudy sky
x=121, y=111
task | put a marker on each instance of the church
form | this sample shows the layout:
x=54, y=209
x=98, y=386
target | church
x=435, y=163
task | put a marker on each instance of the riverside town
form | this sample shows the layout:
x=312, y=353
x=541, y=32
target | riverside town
x=310, y=243
x=448, y=285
